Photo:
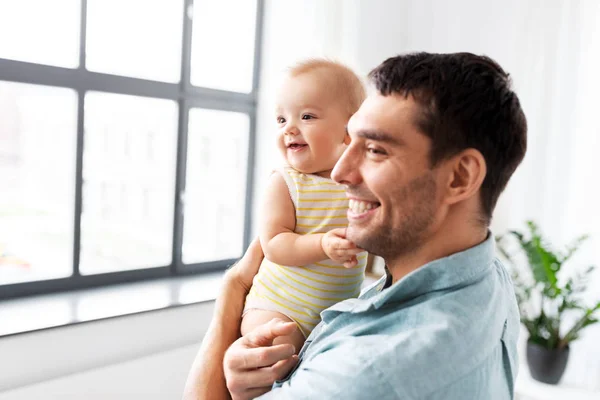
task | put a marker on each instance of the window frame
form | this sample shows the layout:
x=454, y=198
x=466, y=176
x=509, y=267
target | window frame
x=187, y=97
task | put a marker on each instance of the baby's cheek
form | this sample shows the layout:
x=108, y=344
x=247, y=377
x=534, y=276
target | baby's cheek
x=281, y=149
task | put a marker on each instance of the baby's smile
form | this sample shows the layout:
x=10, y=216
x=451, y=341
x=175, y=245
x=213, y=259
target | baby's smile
x=296, y=145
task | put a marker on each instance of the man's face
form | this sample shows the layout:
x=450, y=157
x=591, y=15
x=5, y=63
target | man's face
x=392, y=189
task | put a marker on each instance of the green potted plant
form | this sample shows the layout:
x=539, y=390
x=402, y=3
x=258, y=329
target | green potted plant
x=547, y=299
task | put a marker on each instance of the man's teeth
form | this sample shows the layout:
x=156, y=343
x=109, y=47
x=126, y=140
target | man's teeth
x=359, y=207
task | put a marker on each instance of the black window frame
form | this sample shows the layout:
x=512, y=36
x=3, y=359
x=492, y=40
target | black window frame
x=187, y=97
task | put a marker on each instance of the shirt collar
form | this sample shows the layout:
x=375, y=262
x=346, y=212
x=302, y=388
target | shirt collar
x=459, y=269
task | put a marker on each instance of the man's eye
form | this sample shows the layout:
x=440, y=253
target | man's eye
x=376, y=151
x=280, y=120
x=308, y=116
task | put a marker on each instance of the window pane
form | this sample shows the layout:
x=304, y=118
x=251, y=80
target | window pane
x=37, y=178
x=215, y=185
x=40, y=31
x=223, y=44
x=136, y=38
x=129, y=182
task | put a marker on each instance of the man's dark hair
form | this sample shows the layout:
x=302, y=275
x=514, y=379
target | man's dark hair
x=466, y=102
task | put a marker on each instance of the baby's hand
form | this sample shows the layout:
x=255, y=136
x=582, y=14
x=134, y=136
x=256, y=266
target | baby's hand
x=340, y=249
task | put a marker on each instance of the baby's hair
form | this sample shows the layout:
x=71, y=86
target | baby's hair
x=344, y=81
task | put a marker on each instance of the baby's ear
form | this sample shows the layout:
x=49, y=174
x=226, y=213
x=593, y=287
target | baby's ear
x=347, y=139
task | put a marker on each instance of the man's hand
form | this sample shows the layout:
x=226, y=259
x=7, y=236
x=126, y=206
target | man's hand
x=340, y=249
x=253, y=363
x=206, y=380
x=242, y=273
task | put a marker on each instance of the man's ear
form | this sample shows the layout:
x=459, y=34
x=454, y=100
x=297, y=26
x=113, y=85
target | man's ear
x=347, y=139
x=467, y=171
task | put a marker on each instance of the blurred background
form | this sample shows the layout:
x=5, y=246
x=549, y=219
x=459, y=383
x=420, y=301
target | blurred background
x=136, y=138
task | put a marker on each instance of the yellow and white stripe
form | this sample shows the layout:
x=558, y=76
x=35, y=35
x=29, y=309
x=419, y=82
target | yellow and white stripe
x=301, y=293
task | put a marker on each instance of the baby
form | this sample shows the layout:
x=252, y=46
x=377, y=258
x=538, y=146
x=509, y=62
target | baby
x=309, y=265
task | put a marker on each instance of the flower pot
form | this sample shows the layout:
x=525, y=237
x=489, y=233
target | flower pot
x=546, y=365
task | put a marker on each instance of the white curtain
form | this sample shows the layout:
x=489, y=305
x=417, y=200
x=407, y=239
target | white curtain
x=567, y=199
x=558, y=185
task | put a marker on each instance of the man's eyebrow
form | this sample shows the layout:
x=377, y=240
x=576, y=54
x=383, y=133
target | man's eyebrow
x=379, y=136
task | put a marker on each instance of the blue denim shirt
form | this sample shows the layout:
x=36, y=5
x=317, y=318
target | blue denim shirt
x=447, y=330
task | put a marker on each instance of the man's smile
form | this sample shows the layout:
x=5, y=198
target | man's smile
x=359, y=209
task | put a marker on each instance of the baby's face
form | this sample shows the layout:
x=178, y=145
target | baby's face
x=311, y=124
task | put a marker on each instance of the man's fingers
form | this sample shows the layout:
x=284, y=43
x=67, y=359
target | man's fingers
x=252, y=382
x=247, y=267
x=252, y=393
x=263, y=377
x=263, y=335
x=260, y=357
x=246, y=386
x=254, y=251
x=282, y=368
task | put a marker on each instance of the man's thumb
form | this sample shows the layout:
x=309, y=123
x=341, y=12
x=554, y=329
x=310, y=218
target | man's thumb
x=264, y=335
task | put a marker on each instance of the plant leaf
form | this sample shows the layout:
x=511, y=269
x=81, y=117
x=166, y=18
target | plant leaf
x=586, y=320
x=543, y=263
x=572, y=248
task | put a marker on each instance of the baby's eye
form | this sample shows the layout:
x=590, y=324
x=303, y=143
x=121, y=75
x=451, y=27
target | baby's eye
x=280, y=120
x=308, y=116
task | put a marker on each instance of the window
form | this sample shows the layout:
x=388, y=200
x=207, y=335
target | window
x=49, y=35
x=217, y=141
x=128, y=197
x=144, y=39
x=38, y=132
x=222, y=57
x=126, y=134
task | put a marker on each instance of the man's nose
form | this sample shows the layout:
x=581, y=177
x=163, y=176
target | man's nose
x=346, y=171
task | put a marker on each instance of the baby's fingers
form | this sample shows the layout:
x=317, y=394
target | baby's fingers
x=343, y=256
x=347, y=253
x=351, y=263
x=345, y=244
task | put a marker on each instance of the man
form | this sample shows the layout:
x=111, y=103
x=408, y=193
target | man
x=431, y=151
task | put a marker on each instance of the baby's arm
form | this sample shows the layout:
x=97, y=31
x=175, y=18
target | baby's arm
x=283, y=246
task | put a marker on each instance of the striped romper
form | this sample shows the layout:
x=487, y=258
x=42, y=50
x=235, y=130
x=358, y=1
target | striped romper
x=301, y=293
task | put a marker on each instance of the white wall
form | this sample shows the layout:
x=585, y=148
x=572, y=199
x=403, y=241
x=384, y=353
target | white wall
x=160, y=376
x=99, y=357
